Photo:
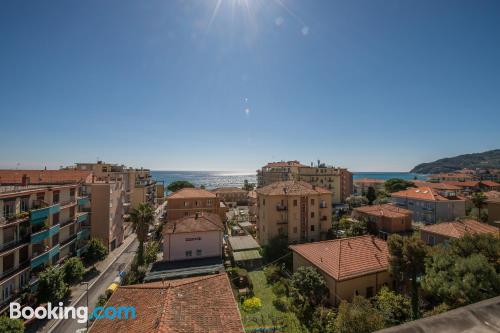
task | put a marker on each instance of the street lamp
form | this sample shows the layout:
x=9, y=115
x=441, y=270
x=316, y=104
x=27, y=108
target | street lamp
x=87, y=294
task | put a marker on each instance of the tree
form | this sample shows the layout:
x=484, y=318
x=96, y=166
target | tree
x=142, y=217
x=8, y=325
x=371, y=195
x=151, y=252
x=394, y=307
x=359, y=316
x=307, y=291
x=95, y=252
x=479, y=201
x=248, y=186
x=178, y=185
x=356, y=201
x=352, y=227
x=51, y=285
x=73, y=270
x=276, y=248
x=459, y=281
x=397, y=184
x=485, y=244
x=407, y=262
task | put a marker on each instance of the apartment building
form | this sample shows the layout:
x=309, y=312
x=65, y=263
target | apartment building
x=336, y=180
x=493, y=206
x=350, y=266
x=453, y=176
x=442, y=232
x=191, y=201
x=231, y=195
x=430, y=205
x=299, y=210
x=40, y=225
x=387, y=218
x=362, y=185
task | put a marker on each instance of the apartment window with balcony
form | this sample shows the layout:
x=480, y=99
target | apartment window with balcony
x=9, y=208
x=55, y=219
x=9, y=234
x=23, y=254
x=8, y=262
x=55, y=197
x=25, y=204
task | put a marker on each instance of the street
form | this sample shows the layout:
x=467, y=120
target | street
x=70, y=325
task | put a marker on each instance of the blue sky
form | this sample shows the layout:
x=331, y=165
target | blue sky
x=177, y=85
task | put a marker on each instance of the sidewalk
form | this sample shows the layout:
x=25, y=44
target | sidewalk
x=78, y=291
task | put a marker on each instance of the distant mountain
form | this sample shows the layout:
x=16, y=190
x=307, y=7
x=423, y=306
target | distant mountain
x=488, y=159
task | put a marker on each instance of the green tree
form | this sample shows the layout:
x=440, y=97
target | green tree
x=394, y=307
x=8, y=325
x=371, y=195
x=276, y=248
x=407, y=262
x=356, y=201
x=458, y=281
x=178, y=185
x=151, y=252
x=485, y=244
x=142, y=217
x=397, y=184
x=96, y=252
x=73, y=270
x=307, y=290
x=359, y=316
x=479, y=201
x=248, y=186
x=323, y=320
x=51, y=285
x=352, y=227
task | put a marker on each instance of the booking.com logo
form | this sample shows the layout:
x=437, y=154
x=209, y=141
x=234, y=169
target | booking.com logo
x=80, y=313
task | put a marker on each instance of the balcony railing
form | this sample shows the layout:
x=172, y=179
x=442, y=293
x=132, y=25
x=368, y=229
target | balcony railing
x=282, y=222
x=68, y=241
x=280, y=207
x=82, y=217
x=14, y=243
x=41, y=235
x=14, y=270
x=83, y=201
x=322, y=205
x=39, y=215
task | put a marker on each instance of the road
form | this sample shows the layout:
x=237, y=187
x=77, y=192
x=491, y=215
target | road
x=70, y=325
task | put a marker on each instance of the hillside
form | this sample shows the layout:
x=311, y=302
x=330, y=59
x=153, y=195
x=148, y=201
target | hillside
x=487, y=159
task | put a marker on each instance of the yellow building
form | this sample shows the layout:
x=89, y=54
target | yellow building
x=299, y=210
x=350, y=266
x=337, y=180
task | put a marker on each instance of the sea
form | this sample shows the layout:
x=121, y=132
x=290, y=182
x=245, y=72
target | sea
x=214, y=179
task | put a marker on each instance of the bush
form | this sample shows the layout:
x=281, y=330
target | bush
x=279, y=289
x=51, y=285
x=252, y=304
x=151, y=252
x=282, y=304
x=8, y=325
x=95, y=252
x=73, y=270
x=272, y=273
x=101, y=301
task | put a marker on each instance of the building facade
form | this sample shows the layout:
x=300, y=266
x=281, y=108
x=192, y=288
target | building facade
x=193, y=237
x=232, y=196
x=336, y=180
x=430, y=205
x=298, y=210
x=362, y=185
x=40, y=225
x=442, y=232
x=387, y=218
x=190, y=201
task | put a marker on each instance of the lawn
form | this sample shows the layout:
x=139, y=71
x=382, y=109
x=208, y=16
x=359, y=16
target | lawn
x=268, y=313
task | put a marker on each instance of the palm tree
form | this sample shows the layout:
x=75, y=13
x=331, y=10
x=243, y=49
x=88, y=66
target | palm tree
x=479, y=201
x=142, y=217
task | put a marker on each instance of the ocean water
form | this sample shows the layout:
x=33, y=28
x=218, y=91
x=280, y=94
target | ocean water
x=213, y=179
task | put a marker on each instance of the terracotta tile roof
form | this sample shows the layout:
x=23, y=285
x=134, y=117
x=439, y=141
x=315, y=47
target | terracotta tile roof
x=490, y=183
x=452, y=175
x=228, y=190
x=368, y=181
x=192, y=305
x=462, y=184
x=188, y=193
x=44, y=176
x=292, y=187
x=346, y=258
x=492, y=196
x=437, y=186
x=457, y=229
x=202, y=222
x=422, y=193
x=384, y=210
x=283, y=164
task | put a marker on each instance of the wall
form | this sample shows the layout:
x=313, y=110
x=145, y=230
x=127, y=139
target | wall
x=175, y=245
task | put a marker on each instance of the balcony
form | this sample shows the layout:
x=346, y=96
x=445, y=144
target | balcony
x=14, y=243
x=281, y=207
x=323, y=205
x=45, y=257
x=83, y=201
x=39, y=215
x=67, y=203
x=68, y=241
x=82, y=250
x=15, y=218
x=15, y=270
x=41, y=235
x=82, y=217
x=282, y=222
x=83, y=234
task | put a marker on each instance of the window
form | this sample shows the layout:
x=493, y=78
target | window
x=198, y=252
x=196, y=203
x=189, y=253
x=294, y=230
x=186, y=213
x=312, y=227
x=312, y=202
x=9, y=208
x=369, y=292
x=55, y=197
x=209, y=202
x=295, y=203
x=25, y=204
x=55, y=219
x=263, y=202
x=312, y=214
x=186, y=203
